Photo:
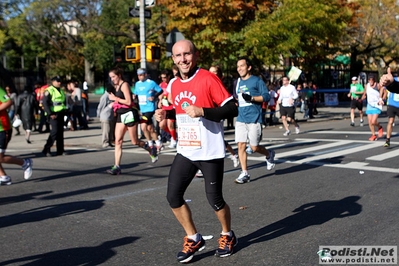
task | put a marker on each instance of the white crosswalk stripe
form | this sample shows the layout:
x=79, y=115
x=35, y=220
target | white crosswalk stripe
x=318, y=151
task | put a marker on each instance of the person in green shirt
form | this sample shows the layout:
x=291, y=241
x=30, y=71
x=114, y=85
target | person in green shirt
x=355, y=93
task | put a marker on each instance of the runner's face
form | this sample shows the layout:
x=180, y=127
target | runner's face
x=141, y=77
x=243, y=69
x=285, y=81
x=184, y=57
x=371, y=81
x=114, y=78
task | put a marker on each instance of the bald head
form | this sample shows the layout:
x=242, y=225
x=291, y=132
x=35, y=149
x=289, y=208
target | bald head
x=185, y=56
x=186, y=43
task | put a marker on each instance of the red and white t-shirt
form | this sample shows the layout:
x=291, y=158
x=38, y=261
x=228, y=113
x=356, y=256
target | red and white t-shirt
x=199, y=138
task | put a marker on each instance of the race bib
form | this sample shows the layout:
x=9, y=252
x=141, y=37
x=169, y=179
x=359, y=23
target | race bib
x=189, y=132
x=127, y=118
x=142, y=99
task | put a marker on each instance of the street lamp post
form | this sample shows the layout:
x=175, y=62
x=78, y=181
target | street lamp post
x=142, y=35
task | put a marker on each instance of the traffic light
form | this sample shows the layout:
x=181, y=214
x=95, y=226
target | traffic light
x=132, y=53
x=152, y=52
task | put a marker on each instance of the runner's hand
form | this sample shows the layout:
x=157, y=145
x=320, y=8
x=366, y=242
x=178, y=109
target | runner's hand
x=386, y=79
x=160, y=115
x=194, y=111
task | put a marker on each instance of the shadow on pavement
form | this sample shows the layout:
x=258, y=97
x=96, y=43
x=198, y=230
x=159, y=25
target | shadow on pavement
x=314, y=213
x=75, y=256
x=21, y=198
x=50, y=212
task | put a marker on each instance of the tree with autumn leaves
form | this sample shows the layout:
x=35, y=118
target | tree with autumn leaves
x=308, y=32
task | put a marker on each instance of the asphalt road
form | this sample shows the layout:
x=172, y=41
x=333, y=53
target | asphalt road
x=331, y=186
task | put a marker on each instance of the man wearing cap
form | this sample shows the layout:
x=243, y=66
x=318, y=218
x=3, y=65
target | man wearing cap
x=55, y=108
x=147, y=92
x=356, y=92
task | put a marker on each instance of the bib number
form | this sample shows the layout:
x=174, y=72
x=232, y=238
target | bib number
x=127, y=118
x=189, y=132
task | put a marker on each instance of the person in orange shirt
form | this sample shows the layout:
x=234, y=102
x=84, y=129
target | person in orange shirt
x=39, y=91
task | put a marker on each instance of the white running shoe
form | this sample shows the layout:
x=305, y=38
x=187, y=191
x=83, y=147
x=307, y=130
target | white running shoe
x=235, y=160
x=248, y=150
x=5, y=180
x=270, y=162
x=287, y=133
x=199, y=173
x=297, y=130
x=172, y=144
x=243, y=178
x=27, y=166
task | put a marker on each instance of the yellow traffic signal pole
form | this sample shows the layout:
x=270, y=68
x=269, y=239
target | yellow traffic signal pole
x=142, y=35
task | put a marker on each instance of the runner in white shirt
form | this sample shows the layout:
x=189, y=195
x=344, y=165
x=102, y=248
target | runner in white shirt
x=374, y=107
x=287, y=97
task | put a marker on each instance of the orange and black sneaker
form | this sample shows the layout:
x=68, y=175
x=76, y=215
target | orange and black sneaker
x=226, y=245
x=380, y=132
x=189, y=248
x=373, y=138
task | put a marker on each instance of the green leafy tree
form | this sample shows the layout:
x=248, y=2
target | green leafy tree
x=216, y=27
x=372, y=40
x=304, y=30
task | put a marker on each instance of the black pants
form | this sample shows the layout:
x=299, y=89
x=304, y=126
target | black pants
x=79, y=117
x=56, y=134
x=43, y=122
x=183, y=172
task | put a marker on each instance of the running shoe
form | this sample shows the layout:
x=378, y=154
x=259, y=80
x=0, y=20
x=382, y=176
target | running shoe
x=5, y=180
x=199, y=173
x=270, y=161
x=154, y=154
x=373, y=138
x=287, y=133
x=243, y=178
x=387, y=143
x=249, y=150
x=172, y=144
x=297, y=131
x=352, y=124
x=189, y=249
x=361, y=122
x=235, y=160
x=226, y=245
x=115, y=170
x=380, y=132
x=27, y=166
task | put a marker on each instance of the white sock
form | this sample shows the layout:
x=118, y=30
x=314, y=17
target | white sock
x=229, y=233
x=194, y=237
